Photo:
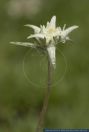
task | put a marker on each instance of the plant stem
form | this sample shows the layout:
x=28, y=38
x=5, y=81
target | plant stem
x=46, y=99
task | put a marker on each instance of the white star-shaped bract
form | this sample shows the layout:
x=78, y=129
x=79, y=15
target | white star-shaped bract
x=48, y=36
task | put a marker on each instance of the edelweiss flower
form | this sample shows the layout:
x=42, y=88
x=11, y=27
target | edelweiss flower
x=51, y=36
x=47, y=32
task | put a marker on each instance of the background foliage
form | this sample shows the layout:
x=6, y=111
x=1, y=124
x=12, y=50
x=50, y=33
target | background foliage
x=21, y=100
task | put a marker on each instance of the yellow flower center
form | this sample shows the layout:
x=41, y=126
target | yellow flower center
x=51, y=30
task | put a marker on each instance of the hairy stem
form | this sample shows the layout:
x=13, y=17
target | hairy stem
x=46, y=99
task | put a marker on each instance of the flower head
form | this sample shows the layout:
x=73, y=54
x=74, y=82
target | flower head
x=51, y=36
x=48, y=32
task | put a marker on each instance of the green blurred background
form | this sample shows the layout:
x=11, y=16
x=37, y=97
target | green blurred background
x=22, y=87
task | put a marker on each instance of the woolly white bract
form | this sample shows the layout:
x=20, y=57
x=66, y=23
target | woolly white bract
x=47, y=37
